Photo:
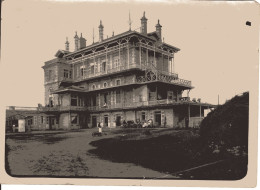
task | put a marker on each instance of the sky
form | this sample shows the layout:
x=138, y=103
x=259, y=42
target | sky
x=219, y=52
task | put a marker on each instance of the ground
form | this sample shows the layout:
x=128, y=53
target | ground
x=65, y=154
x=118, y=153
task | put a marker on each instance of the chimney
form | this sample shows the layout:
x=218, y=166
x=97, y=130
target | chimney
x=144, y=24
x=159, y=30
x=67, y=45
x=82, y=42
x=76, y=41
x=101, y=31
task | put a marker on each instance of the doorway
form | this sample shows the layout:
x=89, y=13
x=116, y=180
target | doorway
x=118, y=120
x=105, y=121
x=94, y=121
x=157, y=116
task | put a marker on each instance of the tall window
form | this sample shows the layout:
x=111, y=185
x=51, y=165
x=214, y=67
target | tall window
x=104, y=67
x=118, y=82
x=143, y=116
x=74, y=119
x=82, y=70
x=118, y=96
x=116, y=63
x=74, y=100
x=92, y=69
x=66, y=73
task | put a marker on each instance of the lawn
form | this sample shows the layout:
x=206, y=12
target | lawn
x=66, y=154
x=119, y=153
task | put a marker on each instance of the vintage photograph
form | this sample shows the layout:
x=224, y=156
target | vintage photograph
x=129, y=90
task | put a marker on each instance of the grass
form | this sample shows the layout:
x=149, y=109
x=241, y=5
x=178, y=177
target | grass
x=169, y=151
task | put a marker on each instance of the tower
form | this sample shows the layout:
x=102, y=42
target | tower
x=67, y=45
x=82, y=42
x=144, y=24
x=76, y=38
x=101, y=31
x=159, y=30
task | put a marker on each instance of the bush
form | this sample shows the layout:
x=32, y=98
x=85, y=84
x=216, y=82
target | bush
x=227, y=125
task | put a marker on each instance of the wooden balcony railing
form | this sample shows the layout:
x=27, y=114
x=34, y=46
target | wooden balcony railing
x=62, y=108
x=151, y=76
x=138, y=104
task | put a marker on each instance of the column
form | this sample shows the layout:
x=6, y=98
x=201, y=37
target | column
x=154, y=57
x=128, y=55
x=106, y=61
x=173, y=64
x=169, y=65
x=147, y=56
x=140, y=55
x=200, y=110
x=188, y=115
x=119, y=54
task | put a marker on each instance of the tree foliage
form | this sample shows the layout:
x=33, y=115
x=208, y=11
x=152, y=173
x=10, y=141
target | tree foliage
x=228, y=123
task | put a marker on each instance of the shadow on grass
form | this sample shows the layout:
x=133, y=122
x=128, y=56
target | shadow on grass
x=169, y=153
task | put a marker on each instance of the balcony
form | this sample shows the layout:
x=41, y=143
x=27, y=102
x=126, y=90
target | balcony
x=126, y=105
x=59, y=108
x=153, y=76
x=90, y=75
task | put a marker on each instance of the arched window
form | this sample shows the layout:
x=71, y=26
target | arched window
x=105, y=84
x=93, y=87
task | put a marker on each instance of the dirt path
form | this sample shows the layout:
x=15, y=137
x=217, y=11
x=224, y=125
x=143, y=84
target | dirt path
x=66, y=154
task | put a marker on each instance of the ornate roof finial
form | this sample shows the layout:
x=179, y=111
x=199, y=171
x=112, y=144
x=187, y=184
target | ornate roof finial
x=76, y=35
x=100, y=25
x=158, y=24
x=130, y=21
x=113, y=33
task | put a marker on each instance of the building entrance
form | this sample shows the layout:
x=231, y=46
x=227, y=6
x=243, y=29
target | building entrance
x=157, y=116
x=118, y=120
x=94, y=121
x=105, y=121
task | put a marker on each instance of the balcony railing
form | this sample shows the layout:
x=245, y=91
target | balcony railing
x=156, y=76
x=62, y=108
x=139, y=104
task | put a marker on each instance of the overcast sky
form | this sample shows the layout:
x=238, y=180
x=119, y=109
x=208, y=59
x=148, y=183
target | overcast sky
x=219, y=52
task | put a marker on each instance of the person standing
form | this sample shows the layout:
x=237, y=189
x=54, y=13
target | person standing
x=99, y=127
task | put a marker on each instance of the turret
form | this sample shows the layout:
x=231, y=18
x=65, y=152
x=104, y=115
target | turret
x=101, y=31
x=67, y=45
x=144, y=24
x=82, y=42
x=159, y=30
x=76, y=38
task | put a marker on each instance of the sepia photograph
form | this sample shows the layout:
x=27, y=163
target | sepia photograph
x=129, y=90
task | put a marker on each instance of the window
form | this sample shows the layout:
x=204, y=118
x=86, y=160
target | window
x=143, y=116
x=74, y=100
x=118, y=96
x=104, y=67
x=170, y=95
x=92, y=69
x=66, y=73
x=82, y=70
x=50, y=74
x=47, y=120
x=74, y=119
x=93, y=87
x=52, y=121
x=105, y=84
x=116, y=62
x=118, y=82
x=140, y=98
x=42, y=119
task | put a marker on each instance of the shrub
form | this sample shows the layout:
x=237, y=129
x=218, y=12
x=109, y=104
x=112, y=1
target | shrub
x=227, y=125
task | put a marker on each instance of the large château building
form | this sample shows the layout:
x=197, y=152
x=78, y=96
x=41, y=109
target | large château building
x=129, y=76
